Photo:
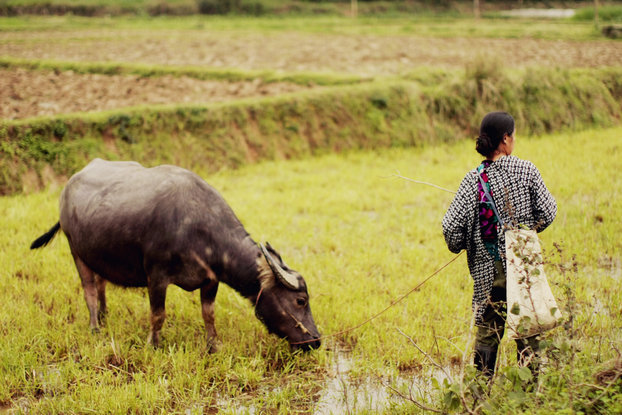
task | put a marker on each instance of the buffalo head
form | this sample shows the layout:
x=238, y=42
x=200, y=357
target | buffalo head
x=283, y=302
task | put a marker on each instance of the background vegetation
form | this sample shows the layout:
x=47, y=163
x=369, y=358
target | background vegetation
x=100, y=8
x=611, y=14
x=368, y=116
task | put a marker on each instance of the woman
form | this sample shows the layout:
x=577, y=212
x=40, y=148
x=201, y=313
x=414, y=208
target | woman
x=471, y=223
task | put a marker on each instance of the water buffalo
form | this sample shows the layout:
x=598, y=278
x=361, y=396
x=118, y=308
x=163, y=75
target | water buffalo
x=139, y=227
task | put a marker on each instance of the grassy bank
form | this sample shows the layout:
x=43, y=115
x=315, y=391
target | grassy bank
x=360, y=241
x=196, y=72
x=424, y=25
x=433, y=107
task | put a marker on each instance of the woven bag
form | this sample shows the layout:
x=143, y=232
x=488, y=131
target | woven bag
x=532, y=308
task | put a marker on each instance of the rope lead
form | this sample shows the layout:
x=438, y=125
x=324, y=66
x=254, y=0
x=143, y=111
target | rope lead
x=392, y=304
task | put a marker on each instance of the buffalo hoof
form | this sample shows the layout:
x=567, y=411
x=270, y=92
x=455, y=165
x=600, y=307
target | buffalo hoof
x=94, y=330
x=153, y=340
x=213, y=346
x=101, y=316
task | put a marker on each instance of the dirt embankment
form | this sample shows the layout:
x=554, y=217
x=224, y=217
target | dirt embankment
x=26, y=94
x=366, y=55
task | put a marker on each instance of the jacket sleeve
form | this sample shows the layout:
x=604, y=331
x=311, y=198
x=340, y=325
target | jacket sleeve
x=542, y=201
x=460, y=213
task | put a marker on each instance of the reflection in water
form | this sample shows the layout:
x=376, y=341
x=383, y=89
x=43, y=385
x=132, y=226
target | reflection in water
x=343, y=396
x=373, y=394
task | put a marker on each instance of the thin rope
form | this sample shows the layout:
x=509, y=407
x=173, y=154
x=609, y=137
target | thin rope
x=392, y=304
x=399, y=175
x=258, y=295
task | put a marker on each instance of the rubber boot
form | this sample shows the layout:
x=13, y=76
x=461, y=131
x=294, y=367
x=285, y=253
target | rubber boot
x=485, y=360
x=527, y=356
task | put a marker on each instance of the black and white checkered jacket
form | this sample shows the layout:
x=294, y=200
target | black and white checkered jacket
x=521, y=198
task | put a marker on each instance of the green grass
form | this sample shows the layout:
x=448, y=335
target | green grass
x=423, y=25
x=608, y=14
x=359, y=240
x=202, y=73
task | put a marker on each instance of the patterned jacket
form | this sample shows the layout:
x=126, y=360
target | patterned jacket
x=521, y=197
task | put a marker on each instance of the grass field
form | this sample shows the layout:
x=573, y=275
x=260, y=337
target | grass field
x=360, y=241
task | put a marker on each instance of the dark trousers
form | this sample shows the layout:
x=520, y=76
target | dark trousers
x=490, y=332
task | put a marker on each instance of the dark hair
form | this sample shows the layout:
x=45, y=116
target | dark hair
x=494, y=127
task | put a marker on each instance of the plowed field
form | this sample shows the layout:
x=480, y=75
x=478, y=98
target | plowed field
x=296, y=51
x=26, y=94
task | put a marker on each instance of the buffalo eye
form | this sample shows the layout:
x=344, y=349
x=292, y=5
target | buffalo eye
x=301, y=302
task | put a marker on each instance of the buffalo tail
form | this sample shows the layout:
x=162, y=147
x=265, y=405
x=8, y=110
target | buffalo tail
x=45, y=239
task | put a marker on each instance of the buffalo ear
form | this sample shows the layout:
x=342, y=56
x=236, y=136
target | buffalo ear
x=288, y=279
x=266, y=277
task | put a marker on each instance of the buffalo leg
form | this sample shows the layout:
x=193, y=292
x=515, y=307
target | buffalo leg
x=87, y=276
x=157, y=299
x=101, y=297
x=208, y=295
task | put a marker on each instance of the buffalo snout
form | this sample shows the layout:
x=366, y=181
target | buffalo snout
x=307, y=345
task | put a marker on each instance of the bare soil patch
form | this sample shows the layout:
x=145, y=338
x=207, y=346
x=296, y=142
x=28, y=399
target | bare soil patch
x=26, y=94
x=365, y=55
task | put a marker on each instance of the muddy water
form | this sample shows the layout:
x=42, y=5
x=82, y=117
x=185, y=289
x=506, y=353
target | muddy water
x=342, y=395
x=345, y=394
x=608, y=267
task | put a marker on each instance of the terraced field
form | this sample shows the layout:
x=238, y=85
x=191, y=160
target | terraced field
x=300, y=51
x=26, y=93
x=389, y=49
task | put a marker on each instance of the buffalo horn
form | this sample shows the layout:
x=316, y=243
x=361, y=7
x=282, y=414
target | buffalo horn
x=286, y=278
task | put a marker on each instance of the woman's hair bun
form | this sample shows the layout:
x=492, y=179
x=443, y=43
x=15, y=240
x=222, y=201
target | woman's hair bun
x=494, y=127
x=482, y=144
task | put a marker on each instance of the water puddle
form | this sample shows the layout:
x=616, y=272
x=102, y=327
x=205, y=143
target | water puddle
x=343, y=395
x=346, y=394
x=608, y=266
x=539, y=13
x=20, y=406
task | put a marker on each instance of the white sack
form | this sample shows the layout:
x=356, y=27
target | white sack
x=532, y=308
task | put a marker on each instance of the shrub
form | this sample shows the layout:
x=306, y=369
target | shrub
x=606, y=14
x=218, y=6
